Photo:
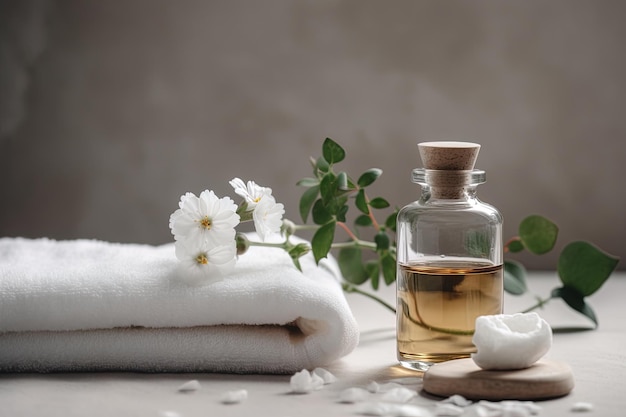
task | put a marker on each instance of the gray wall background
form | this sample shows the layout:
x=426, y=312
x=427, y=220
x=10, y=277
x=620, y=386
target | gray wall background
x=109, y=111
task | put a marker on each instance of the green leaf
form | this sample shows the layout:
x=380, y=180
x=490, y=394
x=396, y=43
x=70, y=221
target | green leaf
x=308, y=182
x=584, y=267
x=477, y=243
x=374, y=273
x=322, y=165
x=320, y=213
x=341, y=213
x=388, y=265
x=351, y=265
x=332, y=152
x=328, y=187
x=379, y=203
x=391, y=221
x=342, y=181
x=307, y=200
x=369, y=177
x=516, y=245
x=575, y=300
x=382, y=241
x=322, y=240
x=514, y=278
x=538, y=234
x=363, y=220
x=361, y=203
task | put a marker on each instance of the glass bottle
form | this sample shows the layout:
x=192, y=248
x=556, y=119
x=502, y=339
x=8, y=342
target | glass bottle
x=449, y=254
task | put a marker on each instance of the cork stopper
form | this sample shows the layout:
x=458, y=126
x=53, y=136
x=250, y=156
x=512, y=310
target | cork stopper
x=448, y=166
x=456, y=156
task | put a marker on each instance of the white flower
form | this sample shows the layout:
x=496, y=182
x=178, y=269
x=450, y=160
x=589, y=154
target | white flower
x=203, y=263
x=205, y=219
x=250, y=192
x=268, y=217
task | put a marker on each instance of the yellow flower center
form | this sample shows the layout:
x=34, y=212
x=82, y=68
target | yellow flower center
x=206, y=223
x=202, y=259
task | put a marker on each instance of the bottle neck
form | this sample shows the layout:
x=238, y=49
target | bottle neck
x=448, y=184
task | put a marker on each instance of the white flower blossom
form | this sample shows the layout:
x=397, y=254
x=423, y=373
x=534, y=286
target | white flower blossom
x=250, y=192
x=205, y=219
x=203, y=263
x=268, y=216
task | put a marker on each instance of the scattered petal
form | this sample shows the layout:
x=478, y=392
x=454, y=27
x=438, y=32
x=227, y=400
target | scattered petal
x=353, y=395
x=582, y=406
x=479, y=410
x=399, y=394
x=234, y=397
x=510, y=341
x=393, y=410
x=190, y=386
x=304, y=382
x=326, y=376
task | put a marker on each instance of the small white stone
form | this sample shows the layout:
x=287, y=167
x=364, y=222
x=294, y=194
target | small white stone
x=399, y=394
x=457, y=400
x=304, y=382
x=510, y=341
x=190, y=386
x=326, y=376
x=234, y=397
x=582, y=407
x=353, y=395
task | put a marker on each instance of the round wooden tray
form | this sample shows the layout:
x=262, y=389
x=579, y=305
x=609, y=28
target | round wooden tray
x=545, y=379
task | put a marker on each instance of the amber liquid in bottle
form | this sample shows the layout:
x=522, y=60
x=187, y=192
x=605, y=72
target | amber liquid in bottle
x=439, y=301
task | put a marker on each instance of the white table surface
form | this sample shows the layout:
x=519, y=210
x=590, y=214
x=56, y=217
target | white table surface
x=596, y=357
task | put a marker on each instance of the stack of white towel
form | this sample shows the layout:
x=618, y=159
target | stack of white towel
x=85, y=305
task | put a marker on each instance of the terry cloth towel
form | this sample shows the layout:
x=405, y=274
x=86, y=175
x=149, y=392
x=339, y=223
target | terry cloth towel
x=85, y=305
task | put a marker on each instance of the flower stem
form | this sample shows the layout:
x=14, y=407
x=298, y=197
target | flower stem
x=351, y=288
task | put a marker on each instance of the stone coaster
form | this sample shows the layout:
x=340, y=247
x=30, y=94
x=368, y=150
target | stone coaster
x=545, y=379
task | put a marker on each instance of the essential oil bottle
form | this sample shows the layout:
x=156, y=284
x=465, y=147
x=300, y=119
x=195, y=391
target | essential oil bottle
x=449, y=254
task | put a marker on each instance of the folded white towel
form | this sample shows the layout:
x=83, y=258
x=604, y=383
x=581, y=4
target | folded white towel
x=91, y=305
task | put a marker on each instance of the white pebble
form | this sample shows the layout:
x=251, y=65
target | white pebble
x=393, y=410
x=457, y=400
x=528, y=407
x=189, y=386
x=399, y=394
x=304, y=382
x=353, y=395
x=510, y=341
x=234, y=397
x=326, y=376
x=448, y=410
x=582, y=406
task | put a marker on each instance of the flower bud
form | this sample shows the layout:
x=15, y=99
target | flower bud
x=242, y=243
